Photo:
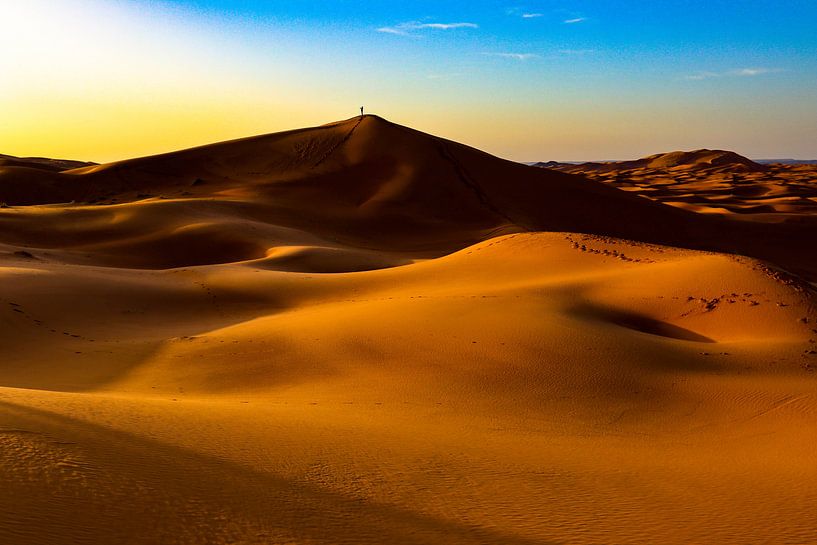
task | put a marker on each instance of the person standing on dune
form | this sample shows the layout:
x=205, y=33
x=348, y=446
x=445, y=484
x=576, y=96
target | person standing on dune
x=361, y=111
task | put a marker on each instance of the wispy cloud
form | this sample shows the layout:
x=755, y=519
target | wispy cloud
x=447, y=26
x=524, y=13
x=575, y=20
x=750, y=72
x=410, y=28
x=393, y=30
x=739, y=72
x=702, y=76
x=515, y=56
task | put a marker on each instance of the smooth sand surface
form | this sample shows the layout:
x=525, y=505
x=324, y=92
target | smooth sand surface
x=319, y=348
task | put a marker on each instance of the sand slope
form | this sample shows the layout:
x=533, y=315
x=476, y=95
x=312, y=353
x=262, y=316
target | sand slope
x=331, y=354
x=510, y=392
x=365, y=181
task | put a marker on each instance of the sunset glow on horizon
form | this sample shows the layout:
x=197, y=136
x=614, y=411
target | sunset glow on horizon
x=106, y=80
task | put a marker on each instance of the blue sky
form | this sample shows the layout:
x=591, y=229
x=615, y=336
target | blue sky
x=531, y=80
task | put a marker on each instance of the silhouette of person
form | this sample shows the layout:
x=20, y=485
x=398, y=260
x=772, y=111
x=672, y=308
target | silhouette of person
x=361, y=111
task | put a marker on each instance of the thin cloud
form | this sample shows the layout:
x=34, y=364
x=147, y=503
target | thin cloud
x=515, y=56
x=524, y=13
x=575, y=20
x=740, y=73
x=447, y=26
x=702, y=76
x=392, y=30
x=751, y=72
x=410, y=28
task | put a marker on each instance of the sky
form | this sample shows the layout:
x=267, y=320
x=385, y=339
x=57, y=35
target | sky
x=103, y=80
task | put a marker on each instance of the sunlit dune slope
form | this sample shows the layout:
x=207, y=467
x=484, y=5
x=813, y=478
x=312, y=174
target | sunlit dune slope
x=557, y=296
x=507, y=393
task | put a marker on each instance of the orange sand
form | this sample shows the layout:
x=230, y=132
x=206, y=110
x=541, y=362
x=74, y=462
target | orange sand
x=713, y=182
x=362, y=334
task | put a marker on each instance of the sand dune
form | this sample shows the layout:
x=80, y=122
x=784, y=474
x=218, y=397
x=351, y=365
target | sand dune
x=358, y=333
x=42, y=163
x=364, y=183
x=367, y=181
x=712, y=182
x=702, y=159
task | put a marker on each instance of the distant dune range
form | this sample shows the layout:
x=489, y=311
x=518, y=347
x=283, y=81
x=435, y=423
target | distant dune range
x=359, y=333
x=712, y=181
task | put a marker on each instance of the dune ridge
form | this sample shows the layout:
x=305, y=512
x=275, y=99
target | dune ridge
x=374, y=185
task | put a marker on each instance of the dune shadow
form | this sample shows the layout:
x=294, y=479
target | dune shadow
x=641, y=323
x=65, y=357
x=146, y=491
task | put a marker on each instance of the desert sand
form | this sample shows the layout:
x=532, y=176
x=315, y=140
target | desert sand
x=712, y=181
x=359, y=333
